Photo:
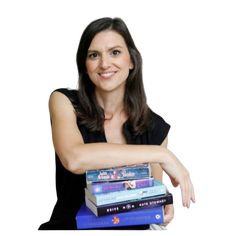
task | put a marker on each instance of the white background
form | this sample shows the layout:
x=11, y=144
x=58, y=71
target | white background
x=189, y=55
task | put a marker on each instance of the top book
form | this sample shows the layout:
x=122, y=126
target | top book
x=120, y=173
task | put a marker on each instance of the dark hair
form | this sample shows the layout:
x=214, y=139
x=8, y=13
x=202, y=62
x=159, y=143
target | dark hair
x=89, y=112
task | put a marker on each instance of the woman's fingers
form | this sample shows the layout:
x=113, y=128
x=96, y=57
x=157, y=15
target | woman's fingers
x=168, y=214
x=187, y=192
x=193, y=195
x=179, y=175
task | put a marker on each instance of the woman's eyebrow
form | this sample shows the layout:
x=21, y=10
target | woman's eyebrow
x=118, y=46
x=109, y=49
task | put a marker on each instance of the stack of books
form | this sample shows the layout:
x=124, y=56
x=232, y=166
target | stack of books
x=121, y=197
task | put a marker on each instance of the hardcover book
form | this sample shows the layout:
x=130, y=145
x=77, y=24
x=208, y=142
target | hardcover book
x=105, y=187
x=85, y=219
x=126, y=206
x=121, y=173
x=114, y=197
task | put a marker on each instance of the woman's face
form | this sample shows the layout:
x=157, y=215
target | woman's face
x=108, y=61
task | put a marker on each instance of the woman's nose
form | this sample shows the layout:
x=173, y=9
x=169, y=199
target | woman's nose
x=105, y=62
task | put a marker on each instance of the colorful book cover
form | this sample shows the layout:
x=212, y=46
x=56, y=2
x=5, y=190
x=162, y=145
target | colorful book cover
x=105, y=187
x=121, y=173
x=85, y=219
x=126, y=206
x=114, y=197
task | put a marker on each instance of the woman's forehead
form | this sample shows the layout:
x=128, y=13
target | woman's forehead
x=106, y=40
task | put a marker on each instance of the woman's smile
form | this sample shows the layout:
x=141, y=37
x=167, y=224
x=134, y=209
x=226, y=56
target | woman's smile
x=107, y=74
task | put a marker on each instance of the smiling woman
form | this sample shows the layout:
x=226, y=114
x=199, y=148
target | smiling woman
x=107, y=122
x=106, y=46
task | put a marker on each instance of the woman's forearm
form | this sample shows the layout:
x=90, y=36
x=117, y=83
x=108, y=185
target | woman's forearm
x=104, y=155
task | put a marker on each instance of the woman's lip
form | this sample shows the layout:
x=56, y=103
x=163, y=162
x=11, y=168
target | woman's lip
x=107, y=74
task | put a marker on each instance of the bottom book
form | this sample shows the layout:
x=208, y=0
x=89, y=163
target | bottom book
x=85, y=219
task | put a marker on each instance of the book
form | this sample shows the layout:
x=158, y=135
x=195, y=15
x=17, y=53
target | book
x=85, y=219
x=120, y=196
x=105, y=187
x=126, y=206
x=120, y=173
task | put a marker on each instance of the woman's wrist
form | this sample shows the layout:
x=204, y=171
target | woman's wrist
x=164, y=156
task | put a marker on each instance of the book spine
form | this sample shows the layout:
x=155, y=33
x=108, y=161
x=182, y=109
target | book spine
x=125, y=173
x=126, y=195
x=140, y=217
x=151, y=202
x=106, y=187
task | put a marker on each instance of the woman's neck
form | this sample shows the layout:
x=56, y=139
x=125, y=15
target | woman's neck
x=111, y=102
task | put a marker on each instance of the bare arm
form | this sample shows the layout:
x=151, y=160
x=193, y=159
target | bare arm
x=157, y=171
x=78, y=157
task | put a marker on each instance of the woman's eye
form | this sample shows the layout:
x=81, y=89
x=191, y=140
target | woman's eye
x=93, y=55
x=115, y=52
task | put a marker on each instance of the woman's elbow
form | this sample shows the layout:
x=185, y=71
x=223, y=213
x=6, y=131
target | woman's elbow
x=75, y=167
x=72, y=161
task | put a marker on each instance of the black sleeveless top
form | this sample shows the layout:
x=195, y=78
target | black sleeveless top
x=70, y=187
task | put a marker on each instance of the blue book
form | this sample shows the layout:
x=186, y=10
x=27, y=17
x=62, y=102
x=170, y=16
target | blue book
x=120, y=196
x=85, y=219
x=120, y=173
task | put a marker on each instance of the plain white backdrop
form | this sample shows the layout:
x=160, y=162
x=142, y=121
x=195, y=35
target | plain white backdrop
x=189, y=66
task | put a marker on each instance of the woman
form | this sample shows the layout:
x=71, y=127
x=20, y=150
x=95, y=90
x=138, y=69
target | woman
x=107, y=123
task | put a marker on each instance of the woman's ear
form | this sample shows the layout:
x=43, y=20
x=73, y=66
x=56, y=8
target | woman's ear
x=131, y=66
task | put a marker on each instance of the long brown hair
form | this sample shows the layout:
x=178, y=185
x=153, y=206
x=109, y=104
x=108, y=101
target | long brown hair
x=89, y=112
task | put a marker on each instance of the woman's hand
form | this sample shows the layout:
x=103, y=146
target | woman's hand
x=179, y=176
x=168, y=214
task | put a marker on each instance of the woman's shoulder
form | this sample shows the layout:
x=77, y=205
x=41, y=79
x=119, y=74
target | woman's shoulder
x=68, y=92
x=156, y=119
x=158, y=128
x=71, y=94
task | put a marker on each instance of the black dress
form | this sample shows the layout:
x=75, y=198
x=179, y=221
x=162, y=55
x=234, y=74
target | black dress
x=70, y=187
